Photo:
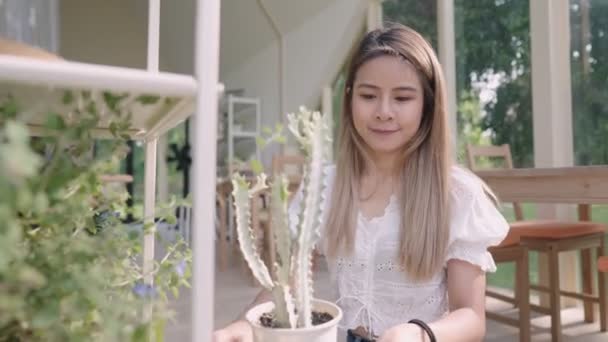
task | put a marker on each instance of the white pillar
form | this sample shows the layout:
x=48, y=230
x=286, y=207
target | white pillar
x=551, y=84
x=374, y=15
x=204, y=165
x=552, y=106
x=447, y=58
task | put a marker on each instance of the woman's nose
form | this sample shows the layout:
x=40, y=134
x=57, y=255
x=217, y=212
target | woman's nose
x=385, y=111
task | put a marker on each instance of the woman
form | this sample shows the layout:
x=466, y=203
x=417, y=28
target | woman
x=405, y=232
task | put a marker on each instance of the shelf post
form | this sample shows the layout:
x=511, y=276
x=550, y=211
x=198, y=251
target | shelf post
x=150, y=161
x=204, y=167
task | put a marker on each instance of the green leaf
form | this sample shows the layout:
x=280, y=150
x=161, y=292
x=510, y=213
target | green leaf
x=171, y=219
x=148, y=99
x=24, y=199
x=9, y=109
x=47, y=314
x=41, y=203
x=261, y=142
x=159, y=329
x=266, y=130
x=149, y=228
x=92, y=109
x=256, y=166
x=55, y=122
x=112, y=100
x=68, y=97
x=113, y=129
x=140, y=334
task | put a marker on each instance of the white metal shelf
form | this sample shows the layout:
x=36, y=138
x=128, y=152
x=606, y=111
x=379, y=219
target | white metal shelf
x=40, y=85
x=247, y=111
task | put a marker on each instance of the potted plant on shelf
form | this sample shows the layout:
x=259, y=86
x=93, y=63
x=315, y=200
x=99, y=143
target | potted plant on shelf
x=293, y=314
x=70, y=268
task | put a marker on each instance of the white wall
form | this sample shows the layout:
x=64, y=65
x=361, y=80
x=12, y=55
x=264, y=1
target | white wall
x=315, y=50
x=107, y=32
x=177, y=35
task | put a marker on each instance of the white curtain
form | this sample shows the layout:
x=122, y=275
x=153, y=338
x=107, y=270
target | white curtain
x=33, y=22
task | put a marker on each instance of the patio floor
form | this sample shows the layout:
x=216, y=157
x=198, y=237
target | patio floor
x=233, y=293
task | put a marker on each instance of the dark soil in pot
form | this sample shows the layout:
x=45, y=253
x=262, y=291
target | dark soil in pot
x=267, y=320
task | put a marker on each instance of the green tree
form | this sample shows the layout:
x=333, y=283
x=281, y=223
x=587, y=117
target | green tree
x=493, y=38
x=419, y=15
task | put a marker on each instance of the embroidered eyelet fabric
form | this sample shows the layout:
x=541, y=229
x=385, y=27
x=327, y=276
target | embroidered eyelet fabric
x=373, y=290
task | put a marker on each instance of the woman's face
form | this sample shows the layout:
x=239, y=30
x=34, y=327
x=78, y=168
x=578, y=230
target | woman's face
x=387, y=104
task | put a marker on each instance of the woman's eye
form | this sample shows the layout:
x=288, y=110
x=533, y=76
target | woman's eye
x=368, y=96
x=402, y=98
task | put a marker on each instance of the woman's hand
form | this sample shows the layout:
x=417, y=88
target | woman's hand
x=239, y=331
x=403, y=333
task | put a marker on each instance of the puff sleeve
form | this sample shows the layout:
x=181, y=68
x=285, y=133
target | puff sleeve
x=475, y=221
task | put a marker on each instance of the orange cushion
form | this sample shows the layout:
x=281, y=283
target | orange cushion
x=511, y=239
x=555, y=230
x=602, y=264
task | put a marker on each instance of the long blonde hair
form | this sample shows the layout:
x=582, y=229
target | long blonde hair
x=424, y=230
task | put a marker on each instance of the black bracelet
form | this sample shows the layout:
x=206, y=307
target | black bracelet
x=424, y=327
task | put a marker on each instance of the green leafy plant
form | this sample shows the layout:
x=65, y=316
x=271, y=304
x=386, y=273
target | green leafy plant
x=70, y=269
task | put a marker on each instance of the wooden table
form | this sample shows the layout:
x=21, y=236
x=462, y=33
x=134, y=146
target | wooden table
x=572, y=185
x=582, y=185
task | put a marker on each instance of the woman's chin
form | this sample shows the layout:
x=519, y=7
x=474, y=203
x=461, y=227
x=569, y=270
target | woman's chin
x=385, y=150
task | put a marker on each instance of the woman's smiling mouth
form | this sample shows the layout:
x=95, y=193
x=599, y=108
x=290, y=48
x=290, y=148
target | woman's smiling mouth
x=383, y=131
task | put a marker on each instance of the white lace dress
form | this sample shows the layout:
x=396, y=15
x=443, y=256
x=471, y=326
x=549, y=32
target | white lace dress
x=374, y=291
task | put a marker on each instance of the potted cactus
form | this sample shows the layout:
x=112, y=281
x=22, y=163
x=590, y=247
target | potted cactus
x=293, y=314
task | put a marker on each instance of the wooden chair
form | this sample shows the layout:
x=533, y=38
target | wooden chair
x=286, y=164
x=510, y=250
x=222, y=231
x=553, y=237
x=602, y=264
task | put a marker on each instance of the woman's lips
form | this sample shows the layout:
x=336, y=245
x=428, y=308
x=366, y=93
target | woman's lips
x=383, y=131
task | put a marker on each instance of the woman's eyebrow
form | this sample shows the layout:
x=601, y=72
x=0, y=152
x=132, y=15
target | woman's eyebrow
x=367, y=85
x=400, y=88
x=406, y=88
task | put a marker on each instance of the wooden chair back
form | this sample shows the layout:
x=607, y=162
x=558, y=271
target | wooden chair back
x=501, y=152
x=292, y=166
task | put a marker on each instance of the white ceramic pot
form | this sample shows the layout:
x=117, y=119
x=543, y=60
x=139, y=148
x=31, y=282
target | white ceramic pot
x=326, y=332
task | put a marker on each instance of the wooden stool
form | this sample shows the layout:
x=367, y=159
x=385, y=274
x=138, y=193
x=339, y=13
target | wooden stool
x=553, y=237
